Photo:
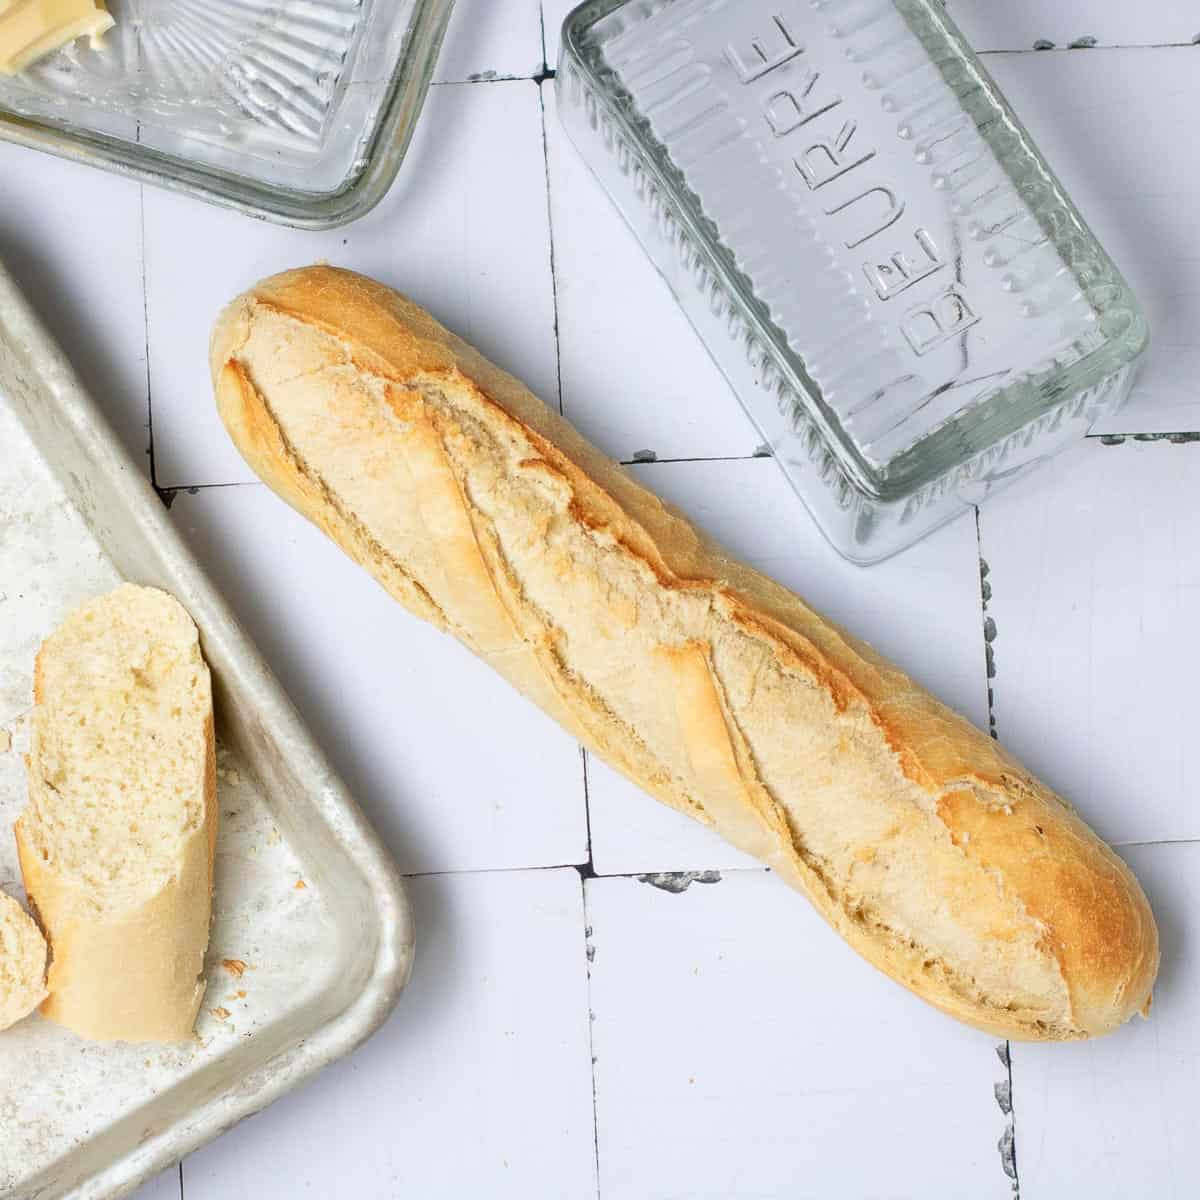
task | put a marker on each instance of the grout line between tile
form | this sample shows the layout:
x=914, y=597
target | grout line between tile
x=1155, y=842
x=589, y=953
x=168, y=494
x=146, y=336
x=478, y=79
x=550, y=230
x=989, y=624
x=588, y=870
x=702, y=458
x=1007, y=1146
x=1051, y=48
x=585, y=870
x=1180, y=437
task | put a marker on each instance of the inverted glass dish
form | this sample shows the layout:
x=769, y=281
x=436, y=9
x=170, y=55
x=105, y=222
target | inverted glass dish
x=900, y=292
x=295, y=110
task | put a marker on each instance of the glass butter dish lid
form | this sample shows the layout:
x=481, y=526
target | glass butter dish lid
x=895, y=284
x=296, y=110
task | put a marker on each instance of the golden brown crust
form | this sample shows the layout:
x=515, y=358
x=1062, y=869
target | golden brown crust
x=155, y=993
x=1017, y=864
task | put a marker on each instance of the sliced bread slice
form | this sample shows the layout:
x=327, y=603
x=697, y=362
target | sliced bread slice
x=22, y=963
x=117, y=842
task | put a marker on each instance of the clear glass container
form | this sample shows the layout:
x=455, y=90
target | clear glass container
x=904, y=299
x=295, y=110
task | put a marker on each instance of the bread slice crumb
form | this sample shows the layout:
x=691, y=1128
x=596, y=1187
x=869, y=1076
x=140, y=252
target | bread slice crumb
x=22, y=963
x=117, y=841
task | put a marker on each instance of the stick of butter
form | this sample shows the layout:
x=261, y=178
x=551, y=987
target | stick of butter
x=31, y=29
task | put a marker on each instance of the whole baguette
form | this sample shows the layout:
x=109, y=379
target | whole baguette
x=117, y=842
x=934, y=853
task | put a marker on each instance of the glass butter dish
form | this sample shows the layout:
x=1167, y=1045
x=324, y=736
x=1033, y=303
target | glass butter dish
x=903, y=298
x=295, y=110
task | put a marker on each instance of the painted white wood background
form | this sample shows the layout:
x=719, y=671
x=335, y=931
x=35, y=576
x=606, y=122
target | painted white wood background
x=571, y=1029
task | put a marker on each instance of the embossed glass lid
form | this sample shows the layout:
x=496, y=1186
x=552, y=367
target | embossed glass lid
x=901, y=294
x=297, y=110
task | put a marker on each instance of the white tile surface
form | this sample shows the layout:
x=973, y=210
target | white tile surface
x=922, y=609
x=634, y=374
x=1018, y=24
x=1137, y=186
x=743, y=1050
x=71, y=237
x=478, y=1086
x=1118, y=1118
x=812, y=1075
x=1095, y=575
x=453, y=767
x=554, y=12
x=486, y=40
x=633, y=833
x=464, y=231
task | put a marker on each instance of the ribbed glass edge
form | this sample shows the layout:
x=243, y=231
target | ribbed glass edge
x=682, y=223
x=356, y=197
x=1120, y=317
x=867, y=531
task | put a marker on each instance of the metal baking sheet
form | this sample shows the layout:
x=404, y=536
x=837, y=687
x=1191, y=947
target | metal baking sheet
x=312, y=935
